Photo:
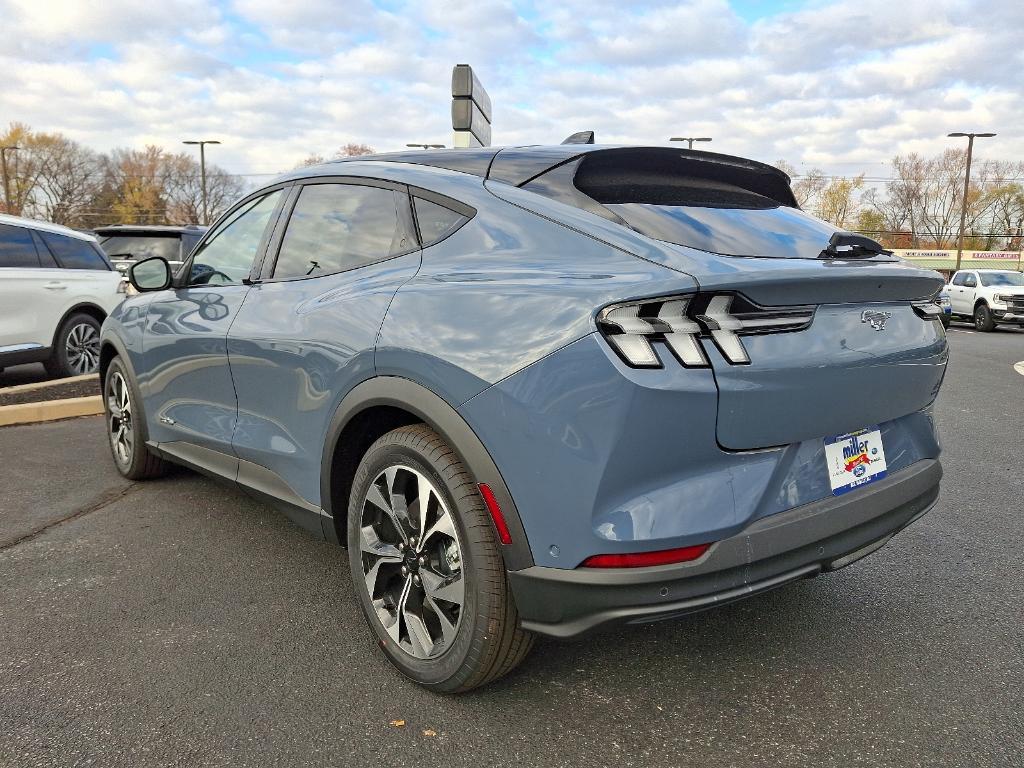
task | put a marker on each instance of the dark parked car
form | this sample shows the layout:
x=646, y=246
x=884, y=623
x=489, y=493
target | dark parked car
x=125, y=244
x=540, y=390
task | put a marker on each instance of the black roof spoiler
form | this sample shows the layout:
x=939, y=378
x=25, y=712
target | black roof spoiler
x=520, y=165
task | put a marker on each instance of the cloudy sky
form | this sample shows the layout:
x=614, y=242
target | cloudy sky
x=841, y=85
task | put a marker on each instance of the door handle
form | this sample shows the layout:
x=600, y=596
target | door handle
x=56, y=286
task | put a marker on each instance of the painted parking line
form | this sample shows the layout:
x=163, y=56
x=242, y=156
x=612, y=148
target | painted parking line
x=1019, y=367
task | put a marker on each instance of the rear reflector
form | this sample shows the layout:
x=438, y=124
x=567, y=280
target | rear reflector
x=643, y=559
x=499, y=519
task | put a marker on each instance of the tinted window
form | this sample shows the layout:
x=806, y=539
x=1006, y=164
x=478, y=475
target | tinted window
x=970, y=281
x=958, y=278
x=989, y=279
x=138, y=247
x=16, y=249
x=776, y=231
x=228, y=254
x=339, y=226
x=46, y=260
x=74, y=253
x=435, y=221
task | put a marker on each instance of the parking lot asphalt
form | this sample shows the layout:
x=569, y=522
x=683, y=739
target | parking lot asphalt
x=178, y=622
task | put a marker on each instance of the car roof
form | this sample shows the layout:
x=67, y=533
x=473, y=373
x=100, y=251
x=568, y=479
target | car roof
x=162, y=228
x=520, y=165
x=44, y=226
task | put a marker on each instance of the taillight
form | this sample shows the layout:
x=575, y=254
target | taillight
x=682, y=321
x=646, y=559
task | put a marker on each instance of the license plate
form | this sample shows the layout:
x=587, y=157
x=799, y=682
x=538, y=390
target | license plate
x=854, y=459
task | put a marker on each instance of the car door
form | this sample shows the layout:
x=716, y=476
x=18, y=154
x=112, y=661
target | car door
x=956, y=292
x=968, y=291
x=186, y=382
x=85, y=276
x=27, y=302
x=306, y=334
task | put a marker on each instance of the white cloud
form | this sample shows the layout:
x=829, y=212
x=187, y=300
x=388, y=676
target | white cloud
x=845, y=84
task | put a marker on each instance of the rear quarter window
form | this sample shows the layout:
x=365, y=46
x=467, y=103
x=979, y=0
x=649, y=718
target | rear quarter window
x=436, y=221
x=74, y=253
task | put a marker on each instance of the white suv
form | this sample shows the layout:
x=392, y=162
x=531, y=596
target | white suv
x=56, y=288
x=987, y=296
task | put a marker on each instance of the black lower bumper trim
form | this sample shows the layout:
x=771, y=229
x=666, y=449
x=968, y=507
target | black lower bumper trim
x=801, y=542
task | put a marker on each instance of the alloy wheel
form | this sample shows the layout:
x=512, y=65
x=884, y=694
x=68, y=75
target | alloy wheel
x=119, y=418
x=412, y=561
x=82, y=348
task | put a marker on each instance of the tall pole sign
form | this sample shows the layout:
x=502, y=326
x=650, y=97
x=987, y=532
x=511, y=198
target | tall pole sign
x=471, y=109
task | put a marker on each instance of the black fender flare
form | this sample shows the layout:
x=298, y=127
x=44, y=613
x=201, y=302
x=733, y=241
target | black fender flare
x=446, y=421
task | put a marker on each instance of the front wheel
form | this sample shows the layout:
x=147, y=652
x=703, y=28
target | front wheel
x=983, y=318
x=124, y=426
x=426, y=565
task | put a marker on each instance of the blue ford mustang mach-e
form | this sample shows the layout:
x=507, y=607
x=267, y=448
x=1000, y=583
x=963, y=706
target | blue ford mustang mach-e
x=540, y=390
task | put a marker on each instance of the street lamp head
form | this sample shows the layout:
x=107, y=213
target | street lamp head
x=204, y=141
x=984, y=135
x=960, y=135
x=957, y=135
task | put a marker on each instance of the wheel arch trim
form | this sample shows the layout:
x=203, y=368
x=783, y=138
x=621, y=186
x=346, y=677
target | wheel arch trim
x=407, y=395
x=79, y=307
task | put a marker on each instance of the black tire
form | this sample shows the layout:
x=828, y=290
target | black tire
x=137, y=462
x=76, y=347
x=486, y=642
x=983, y=318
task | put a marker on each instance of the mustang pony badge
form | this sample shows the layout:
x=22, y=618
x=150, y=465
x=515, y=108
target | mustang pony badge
x=875, y=319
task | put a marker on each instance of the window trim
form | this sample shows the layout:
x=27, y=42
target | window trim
x=180, y=279
x=403, y=208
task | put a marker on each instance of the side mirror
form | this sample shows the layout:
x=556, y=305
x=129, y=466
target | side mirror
x=152, y=274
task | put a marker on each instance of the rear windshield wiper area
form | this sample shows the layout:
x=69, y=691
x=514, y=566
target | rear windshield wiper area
x=848, y=245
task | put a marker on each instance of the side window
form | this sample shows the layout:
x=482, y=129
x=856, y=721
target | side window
x=74, y=253
x=46, y=260
x=435, y=221
x=970, y=281
x=16, y=248
x=958, y=279
x=228, y=254
x=335, y=227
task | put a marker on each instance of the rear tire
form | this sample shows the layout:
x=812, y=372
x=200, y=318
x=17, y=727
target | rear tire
x=123, y=415
x=76, y=348
x=430, y=576
x=983, y=318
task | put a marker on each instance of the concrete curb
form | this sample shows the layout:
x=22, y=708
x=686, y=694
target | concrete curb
x=50, y=410
x=44, y=384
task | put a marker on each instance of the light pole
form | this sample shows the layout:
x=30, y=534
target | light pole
x=690, y=139
x=7, y=184
x=967, y=184
x=426, y=146
x=202, y=171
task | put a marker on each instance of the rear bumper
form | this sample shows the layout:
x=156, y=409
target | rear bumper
x=801, y=542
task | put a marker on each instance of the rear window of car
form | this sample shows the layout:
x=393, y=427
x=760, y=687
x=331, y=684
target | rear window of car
x=778, y=231
x=75, y=253
x=130, y=247
x=16, y=248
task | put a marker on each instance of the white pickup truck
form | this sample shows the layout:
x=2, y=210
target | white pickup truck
x=987, y=297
